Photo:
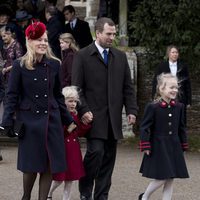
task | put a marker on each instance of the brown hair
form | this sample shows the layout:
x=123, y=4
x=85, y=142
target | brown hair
x=169, y=49
x=99, y=25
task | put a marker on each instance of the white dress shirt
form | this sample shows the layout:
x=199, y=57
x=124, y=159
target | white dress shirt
x=101, y=49
x=173, y=68
x=73, y=23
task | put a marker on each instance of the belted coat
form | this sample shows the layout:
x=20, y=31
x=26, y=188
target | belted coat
x=35, y=96
x=105, y=89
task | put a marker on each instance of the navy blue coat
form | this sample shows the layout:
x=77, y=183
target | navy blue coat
x=35, y=96
x=163, y=132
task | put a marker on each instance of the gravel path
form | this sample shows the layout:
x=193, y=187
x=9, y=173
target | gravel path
x=127, y=183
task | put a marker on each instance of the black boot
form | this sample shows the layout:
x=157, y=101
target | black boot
x=140, y=196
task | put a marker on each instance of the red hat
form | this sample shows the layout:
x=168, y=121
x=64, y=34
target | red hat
x=35, y=30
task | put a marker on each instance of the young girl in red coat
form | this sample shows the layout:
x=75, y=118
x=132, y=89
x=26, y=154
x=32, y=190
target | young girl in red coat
x=75, y=169
x=163, y=139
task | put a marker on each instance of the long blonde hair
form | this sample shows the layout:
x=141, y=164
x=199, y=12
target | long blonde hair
x=29, y=59
x=68, y=37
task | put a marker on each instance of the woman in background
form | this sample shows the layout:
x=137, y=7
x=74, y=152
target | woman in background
x=177, y=68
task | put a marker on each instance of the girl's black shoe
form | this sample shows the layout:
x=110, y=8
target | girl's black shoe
x=140, y=196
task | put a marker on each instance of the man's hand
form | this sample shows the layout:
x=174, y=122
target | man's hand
x=87, y=117
x=131, y=119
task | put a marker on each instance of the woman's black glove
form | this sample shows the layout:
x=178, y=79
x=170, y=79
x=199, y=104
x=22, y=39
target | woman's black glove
x=8, y=130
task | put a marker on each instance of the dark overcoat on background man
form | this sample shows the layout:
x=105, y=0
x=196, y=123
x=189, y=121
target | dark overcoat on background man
x=81, y=33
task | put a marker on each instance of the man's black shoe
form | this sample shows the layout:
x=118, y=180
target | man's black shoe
x=82, y=197
x=1, y=158
x=140, y=196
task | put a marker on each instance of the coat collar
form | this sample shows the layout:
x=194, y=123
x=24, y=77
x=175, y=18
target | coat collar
x=94, y=50
x=164, y=104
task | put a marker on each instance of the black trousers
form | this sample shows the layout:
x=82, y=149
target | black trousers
x=99, y=163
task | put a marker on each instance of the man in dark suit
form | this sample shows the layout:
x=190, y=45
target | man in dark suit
x=177, y=68
x=78, y=28
x=54, y=29
x=103, y=75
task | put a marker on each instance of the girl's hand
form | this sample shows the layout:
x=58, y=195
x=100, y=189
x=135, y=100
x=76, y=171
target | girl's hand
x=148, y=152
x=71, y=127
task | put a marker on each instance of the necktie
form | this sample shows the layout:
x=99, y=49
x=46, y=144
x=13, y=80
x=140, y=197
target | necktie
x=105, y=56
x=72, y=25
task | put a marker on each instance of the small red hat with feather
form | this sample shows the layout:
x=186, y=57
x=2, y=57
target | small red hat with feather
x=35, y=30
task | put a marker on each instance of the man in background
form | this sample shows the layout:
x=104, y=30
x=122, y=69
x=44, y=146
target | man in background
x=78, y=28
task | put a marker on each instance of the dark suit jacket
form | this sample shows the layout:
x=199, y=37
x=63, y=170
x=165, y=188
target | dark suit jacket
x=104, y=89
x=81, y=33
x=54, y=29
x=183, y=76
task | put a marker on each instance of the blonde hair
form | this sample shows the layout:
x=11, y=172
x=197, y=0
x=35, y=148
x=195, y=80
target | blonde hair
x=161, y=82
x=71, y=92
x=29, y=59
x=68, y=37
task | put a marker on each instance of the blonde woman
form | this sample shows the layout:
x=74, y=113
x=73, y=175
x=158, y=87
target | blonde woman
x=34, y=93
x=68, y=49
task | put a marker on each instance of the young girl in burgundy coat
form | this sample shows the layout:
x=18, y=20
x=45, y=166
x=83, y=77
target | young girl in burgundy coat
x=75, y=169
x=163, y=139
x=68, y=49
